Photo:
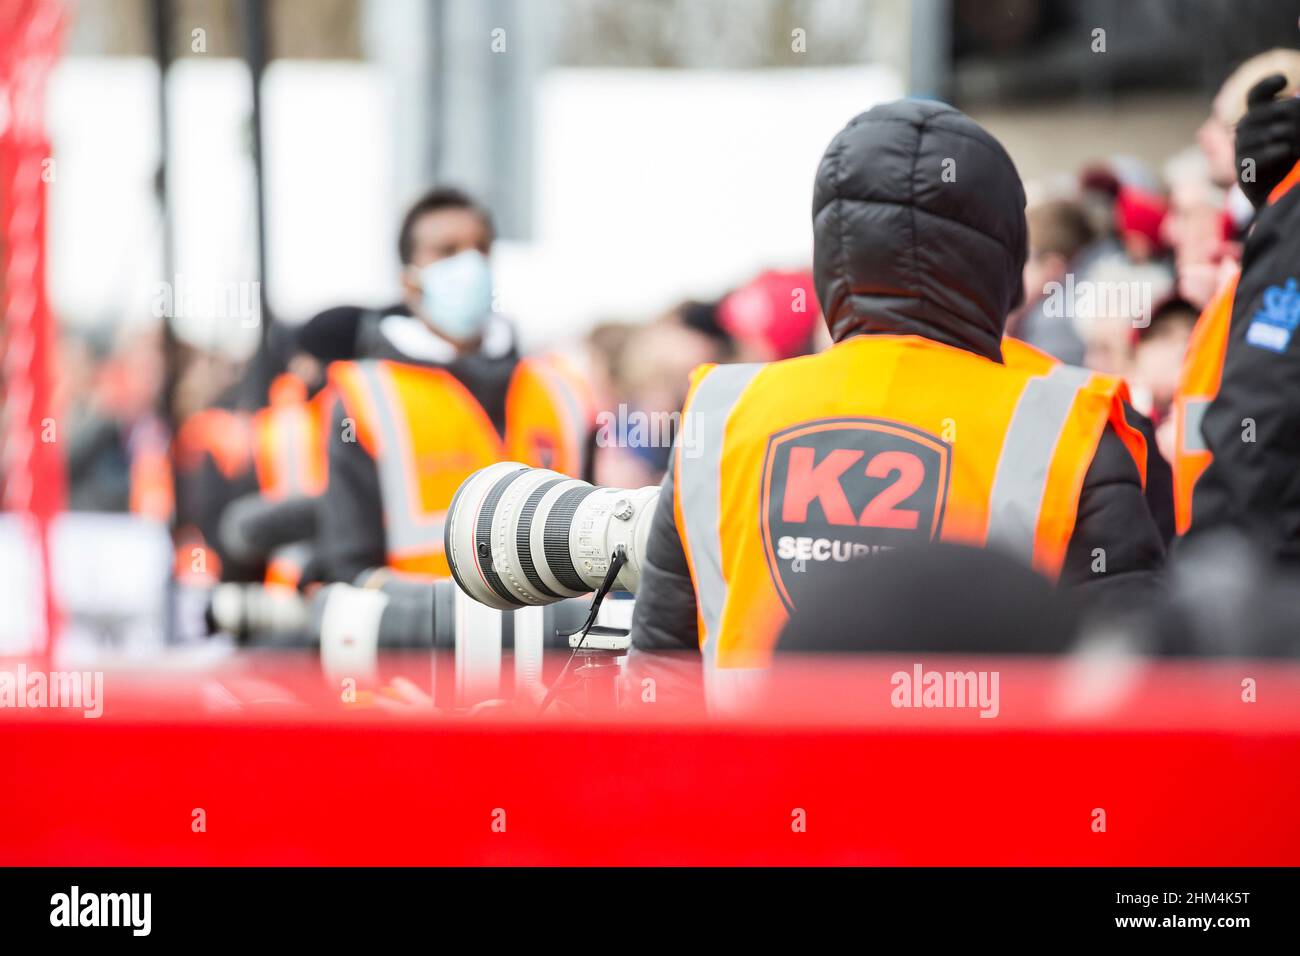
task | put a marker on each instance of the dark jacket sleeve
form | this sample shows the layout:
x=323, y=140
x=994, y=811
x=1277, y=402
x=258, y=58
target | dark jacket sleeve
x=664, y=618
x=1253, y=426
x=351, y=519
x=1116, y=550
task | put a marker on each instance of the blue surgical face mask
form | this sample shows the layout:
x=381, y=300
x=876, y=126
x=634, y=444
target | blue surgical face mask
x=457, y=293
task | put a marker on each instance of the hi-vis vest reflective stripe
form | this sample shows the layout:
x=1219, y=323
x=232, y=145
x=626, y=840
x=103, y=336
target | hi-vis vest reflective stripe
x=1198, y=384
x=289, y=442
x=427, y=434
x=952, y=447
x=1024, y=357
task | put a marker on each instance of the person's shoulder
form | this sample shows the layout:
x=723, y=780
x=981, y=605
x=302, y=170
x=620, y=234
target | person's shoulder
x=336, y=332
x=1112, y=463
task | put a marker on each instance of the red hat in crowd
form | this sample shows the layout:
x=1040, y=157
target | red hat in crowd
x=777, y=308
x=1140, y=212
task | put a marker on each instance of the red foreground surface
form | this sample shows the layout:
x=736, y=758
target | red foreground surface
x=1186, y=772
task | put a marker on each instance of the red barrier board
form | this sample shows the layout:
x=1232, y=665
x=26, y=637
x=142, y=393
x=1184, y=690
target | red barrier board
x=1184, y=769
x=32, y=479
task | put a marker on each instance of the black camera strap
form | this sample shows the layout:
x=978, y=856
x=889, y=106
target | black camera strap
x=616, y=562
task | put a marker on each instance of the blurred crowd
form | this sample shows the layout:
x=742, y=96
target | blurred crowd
x=1123, y=258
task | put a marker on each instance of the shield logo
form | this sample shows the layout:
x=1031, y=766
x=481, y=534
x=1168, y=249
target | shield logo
x=837, y=489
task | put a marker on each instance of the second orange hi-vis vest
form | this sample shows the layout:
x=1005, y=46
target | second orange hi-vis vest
x=1198, y=383
x=427, y=434
x=289, y=441
x=1202, y=374
x=878, y=442
x=289, y=455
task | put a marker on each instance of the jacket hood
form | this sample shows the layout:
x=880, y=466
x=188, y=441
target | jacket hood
x=919, y=228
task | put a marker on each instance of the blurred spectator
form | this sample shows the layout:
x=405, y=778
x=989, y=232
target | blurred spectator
x=651, y=373
x=605, y=344
x=1198, y=230
x=1153, y=382
x=1114, y=302
x=217, y=448
x=437, y=392
x=1098, y=193
x=772, y=317
x=205, y=379
x=706, y=318
x=98, y=469
x=1058, y=233
x=117, y=442
x=1138, y=215
x=1216, y=134
x=1109, y=345
x=1157, y=361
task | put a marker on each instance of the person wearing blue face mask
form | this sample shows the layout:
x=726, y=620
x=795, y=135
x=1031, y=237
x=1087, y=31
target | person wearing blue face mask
x=445, y=244
x=429, y=391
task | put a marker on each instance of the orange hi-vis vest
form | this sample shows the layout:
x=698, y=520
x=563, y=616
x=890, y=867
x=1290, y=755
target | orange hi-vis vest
x=290, y=458
x=1198, y=384
x=289, y=450
x=427, y=434
x=152, y=483
x=1026, y=357
x=221, y=434
x=880, y=441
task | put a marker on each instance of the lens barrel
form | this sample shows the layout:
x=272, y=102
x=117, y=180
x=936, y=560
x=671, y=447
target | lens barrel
x=517, y=535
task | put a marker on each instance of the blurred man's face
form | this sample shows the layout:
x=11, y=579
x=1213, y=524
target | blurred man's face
x=440, y=235
x=1158, y=360
x=1216, y=139
x=131, y=379
x=1108, y=345
x=1195, y=232
x=663, y=354
x=1040, y=269
x=446, y=232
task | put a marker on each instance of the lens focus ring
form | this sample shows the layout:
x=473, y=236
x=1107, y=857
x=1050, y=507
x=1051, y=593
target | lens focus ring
x=556, y=541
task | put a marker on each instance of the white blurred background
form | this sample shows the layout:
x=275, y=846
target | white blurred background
x=635, y=153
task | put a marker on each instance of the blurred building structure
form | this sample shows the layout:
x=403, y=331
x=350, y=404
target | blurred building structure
x=617, y=191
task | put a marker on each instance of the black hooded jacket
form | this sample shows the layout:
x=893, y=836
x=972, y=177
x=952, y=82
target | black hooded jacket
x=919, y=229
x=1252, y=427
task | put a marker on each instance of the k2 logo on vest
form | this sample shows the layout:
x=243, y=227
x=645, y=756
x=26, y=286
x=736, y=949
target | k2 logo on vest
x=836, y=489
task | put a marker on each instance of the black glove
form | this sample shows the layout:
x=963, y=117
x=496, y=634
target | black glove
x=1268, y=136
